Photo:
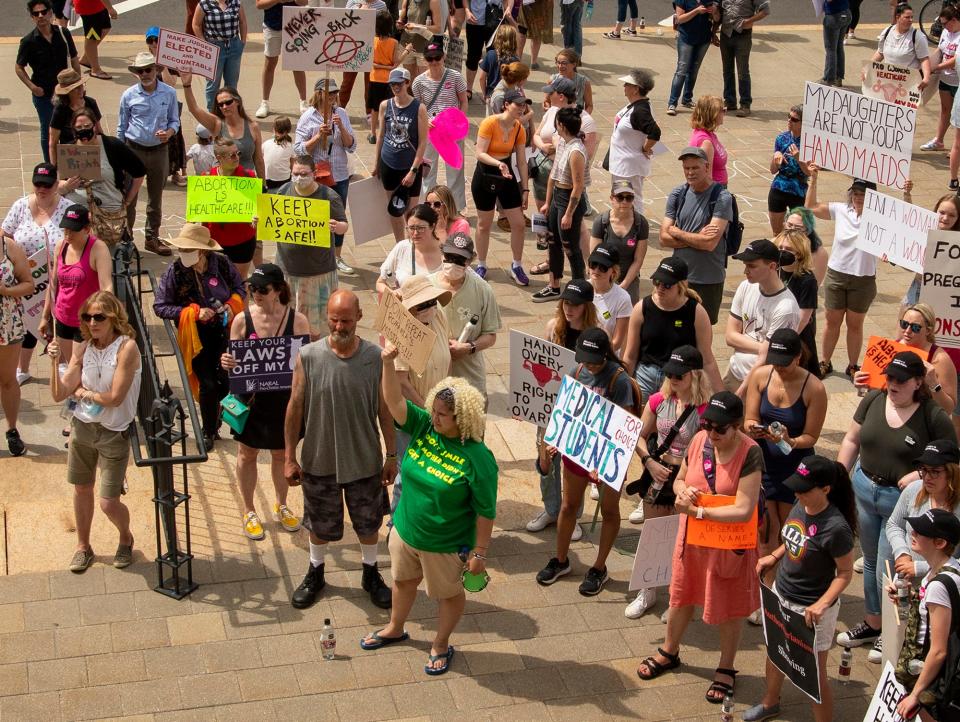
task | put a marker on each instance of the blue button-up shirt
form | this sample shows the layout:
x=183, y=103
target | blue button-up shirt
x=335, y=153
x=142, y=114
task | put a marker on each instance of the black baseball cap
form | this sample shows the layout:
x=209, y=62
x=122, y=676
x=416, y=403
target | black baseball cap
x=814, y=471
x=76, y=218
x=759, y=250
x=724, y=407
x=859, y=184
x=578, y=291
x=904, y=366
x=266, y=274
x=939, y=453
x=671, y=270
x=936, y=524
x=45, y=174
x=433, y=51
x=605, y=255
x=593, y=346
x=459, y=244
x=397, y=205
x=784, y=346
x=683, y=359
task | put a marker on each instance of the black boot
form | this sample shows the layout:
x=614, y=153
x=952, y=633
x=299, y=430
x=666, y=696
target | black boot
x=373, y=583
x=306, y=594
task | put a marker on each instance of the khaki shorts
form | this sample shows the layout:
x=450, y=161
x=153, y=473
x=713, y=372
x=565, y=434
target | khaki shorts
x=272, y=40
x=843, y=292
x=825, y=628
x=440, y=572
x=91, y=443
x=311, y=294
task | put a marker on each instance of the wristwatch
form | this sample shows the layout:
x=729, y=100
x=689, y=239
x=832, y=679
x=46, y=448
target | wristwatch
x=473, y=347
x=937, y=389
x=700, y=510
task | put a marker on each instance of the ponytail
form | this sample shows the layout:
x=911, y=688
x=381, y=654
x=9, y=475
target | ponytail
x=841, y=496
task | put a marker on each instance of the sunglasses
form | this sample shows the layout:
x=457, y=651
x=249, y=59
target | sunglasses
x=143, y=71
x=39, y=13
x=225, y=103
x=676, y=377
x=914, y=327
x=664, y=286
x=624, y=197
x=434, y=60
x=714, y=428
x=424, y=306
x=455, y=260
x=436, y=204
x=791, y=119
x=262, y=290
x=234, y=155
x=98, y=317
x=599, y=266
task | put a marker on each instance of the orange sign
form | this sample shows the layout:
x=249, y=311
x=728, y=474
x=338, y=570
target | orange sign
x=721, y=534
x=879, y=352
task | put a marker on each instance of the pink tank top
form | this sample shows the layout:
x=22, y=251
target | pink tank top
x=75, y=283
x=719, y=168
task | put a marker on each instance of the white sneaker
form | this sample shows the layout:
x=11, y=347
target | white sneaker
x=541, y=521
x=646, y=598
x=264, y=110
x=858, y=566
x=23, y=377
x=636, y=516
x=344, y=269
x=932, y=144
x=577, y=533
x=754, y=618
x=594, y=492
x=875, y=655
x=304, y=106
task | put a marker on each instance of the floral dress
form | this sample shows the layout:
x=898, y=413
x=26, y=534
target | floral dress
x=11, y=309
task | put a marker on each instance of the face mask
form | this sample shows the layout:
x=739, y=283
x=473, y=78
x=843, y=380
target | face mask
x=189, y=258
x=453, y=271
x=427, y=315
x=787, y=258
x=84, y=134
x=303, y=182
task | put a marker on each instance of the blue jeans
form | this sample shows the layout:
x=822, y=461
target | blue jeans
x=622, y=6
x=341, y=187
x=228, y=68
x=875, y=504
x=44, y=107
x=834, y=28
x=571, y=18
x=689, y=58
x=649, y=377
x=735, y=50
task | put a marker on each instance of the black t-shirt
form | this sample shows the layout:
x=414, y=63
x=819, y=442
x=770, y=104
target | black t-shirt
x=46, y=59
x=62, y=115
x=804, y=288
x=626, y=245
x=813, y=543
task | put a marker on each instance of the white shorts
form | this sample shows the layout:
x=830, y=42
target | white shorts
x=272, y=40
x=827, y=625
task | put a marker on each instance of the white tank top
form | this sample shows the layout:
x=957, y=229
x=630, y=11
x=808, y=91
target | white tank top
x=99, y=365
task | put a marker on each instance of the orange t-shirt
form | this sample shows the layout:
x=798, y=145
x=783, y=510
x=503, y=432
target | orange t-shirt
x=500, y=148
x=383, y=50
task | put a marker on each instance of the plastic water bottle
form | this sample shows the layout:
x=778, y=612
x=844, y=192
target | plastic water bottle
x=778, y=430
x=726, y=709
x=589, y=9
x=69, y=406
x=643, y=23
x=846, y=658
x=328, y=641
x=90, y=408
x=903, y=595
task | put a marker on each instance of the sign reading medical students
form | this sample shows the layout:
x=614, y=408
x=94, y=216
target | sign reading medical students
x=895, y=229
x=889, y=692
x=791, y=644
x=186, y=52
x=264, y=364
x=653, y=562
x=536, y=371
x=862, y=137
x=327, y=38
x=941, y=284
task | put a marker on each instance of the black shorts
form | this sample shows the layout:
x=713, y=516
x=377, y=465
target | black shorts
x=376, y=94
x=242, y=252
x=945, y=88
x=780, y=202
x=367, y=501
x=458, y=4
x=390, y=178
x=508, y=193
x=477, y=37
x=95, y=24
x=69, y=333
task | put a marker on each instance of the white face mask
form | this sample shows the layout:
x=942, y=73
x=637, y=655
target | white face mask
x=453, y=271
x=303, y=182
x=189, y=258
x=427, y=315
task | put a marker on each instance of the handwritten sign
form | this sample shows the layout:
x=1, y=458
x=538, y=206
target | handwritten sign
x=78, y=161
x=880, y=351
x=896, y=229
x=592, y=432
x=413, y=340
x=940, y=285
x=791, y=644
x=889, y=692
x=289, y=219
x=264, y=364
x=39, y=264
x=222, y=199
x=893, y=83
x=721, y=534
x=186, y=52
x=536, y=370
x=856, y=135
x=653, y=562
x=368, y=202
x=335, y=39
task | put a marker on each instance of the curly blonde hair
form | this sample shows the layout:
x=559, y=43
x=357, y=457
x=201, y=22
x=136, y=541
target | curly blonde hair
x=468, y=406
x=111, y=307
x=506, y=42
x=706, y=113
x=801, y=248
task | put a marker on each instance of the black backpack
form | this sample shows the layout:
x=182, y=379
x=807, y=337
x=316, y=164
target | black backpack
x=733, y=235
x=946, y=689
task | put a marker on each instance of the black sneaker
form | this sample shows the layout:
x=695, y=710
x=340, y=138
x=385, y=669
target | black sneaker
x=553, y=571
x=373, y=583
x=547, y=293
x=954, y=185
x=594, y=581
x=306, y=594
x=862, y=634
x=15, y=443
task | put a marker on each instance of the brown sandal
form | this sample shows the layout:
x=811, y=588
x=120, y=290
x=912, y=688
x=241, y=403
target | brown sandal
x=541, y=269
x=655, y=668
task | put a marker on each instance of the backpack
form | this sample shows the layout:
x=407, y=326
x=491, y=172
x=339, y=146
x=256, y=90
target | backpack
x=733, y=234
x=637, y=407
x=946, y=690
x=883, y=36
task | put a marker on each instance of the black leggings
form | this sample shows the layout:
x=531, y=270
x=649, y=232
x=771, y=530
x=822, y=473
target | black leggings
x=565, y=241
x=477, y=37
x=212, y=377
x=854, y=14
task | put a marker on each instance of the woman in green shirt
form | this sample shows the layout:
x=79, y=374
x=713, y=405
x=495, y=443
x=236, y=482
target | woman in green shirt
x=447, y=508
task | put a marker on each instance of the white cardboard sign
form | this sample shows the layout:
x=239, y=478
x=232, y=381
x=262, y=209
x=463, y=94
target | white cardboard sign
x=186, y=52
x=895, y=229
x=327, y=38
x=536, y=371
x=940, y=284
x=889, y=692
x=653, y=562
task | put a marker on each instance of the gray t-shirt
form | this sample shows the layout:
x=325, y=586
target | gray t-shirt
x=342, y=401
x=705, y=266
x=307, y=260
x=813, y=543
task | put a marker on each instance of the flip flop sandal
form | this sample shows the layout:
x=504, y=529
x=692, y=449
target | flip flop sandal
x=721, y=687
x=657, y=668
x=101, y=75
x=540, y=269
x=435, y=671
x=379, y=641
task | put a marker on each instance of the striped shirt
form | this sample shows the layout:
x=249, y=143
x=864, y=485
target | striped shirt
x=219, y=25
x=423, y=89
x=377, y=5
x=309, y=125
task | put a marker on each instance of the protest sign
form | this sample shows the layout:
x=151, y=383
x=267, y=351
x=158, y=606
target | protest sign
x=536, y=371
x=889, y=692
x=413, y=340
x=592, y=432
x=264, y=364
x=39, y=264
x=895, y=229
x=653, y=562
x=880, y=351
x=328, y=38
x=292, y=219
x=186, y=52
x=369, y=219
x=450, y=126
x=818, y=8
x=892, y=631
x=538, y=224
x=862, y=137
x=791, y=644
x=941, y=284
x=78, y=161
x=892, y=83
x=222, y=199
x=721, y=534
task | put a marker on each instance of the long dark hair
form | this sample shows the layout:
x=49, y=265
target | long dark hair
x=841, y=496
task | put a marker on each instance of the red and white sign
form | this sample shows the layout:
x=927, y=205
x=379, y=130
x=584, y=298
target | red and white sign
x=186, y=52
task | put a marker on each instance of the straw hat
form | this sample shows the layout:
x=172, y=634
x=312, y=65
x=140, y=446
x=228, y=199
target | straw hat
x=143, y=60
x=68, y=80
x=194, y=236
x=417, y=290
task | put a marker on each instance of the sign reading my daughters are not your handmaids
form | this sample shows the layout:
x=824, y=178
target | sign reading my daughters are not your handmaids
x=859, y=136
x=653, y=562
x=222, y=199
x=187, y=52
x=337, y=39
x=413, y=340
x=896, y=229
x=940, y=284
x=536, y=372
x=592, y=432
x=791, y=644
x=721, y=534
x=289, y=219
x=892, y=83
x=264, y=364
x=886, y=697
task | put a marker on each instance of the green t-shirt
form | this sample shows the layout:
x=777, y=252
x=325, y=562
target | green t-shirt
x=446, y=485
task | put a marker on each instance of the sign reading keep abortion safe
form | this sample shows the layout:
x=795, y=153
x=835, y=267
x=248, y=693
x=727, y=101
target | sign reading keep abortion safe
x=859, y=136
x=338, y=39
x=896, y=229
x=536, y=371
x=592, y=432
x=288, y=219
